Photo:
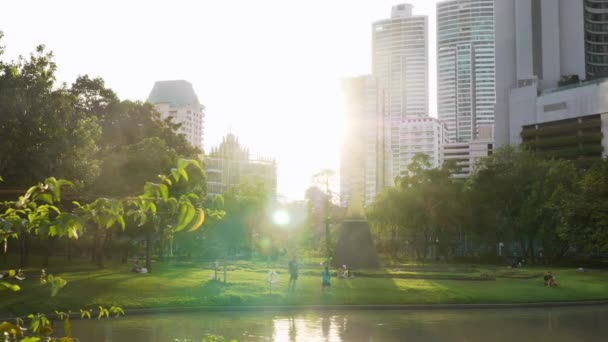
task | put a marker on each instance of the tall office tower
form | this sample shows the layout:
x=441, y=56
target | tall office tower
x=178, y=100
x=400, y=67
x=465, y=66
x=363, y=165
x=537, y=43
x=596, y=37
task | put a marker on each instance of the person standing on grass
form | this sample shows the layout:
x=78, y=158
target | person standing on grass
x=293, y=272
x=325, y=278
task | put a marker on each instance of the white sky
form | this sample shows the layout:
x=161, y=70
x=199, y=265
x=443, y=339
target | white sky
x=269, y=70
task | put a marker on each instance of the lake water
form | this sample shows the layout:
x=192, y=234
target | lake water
x=588, y=323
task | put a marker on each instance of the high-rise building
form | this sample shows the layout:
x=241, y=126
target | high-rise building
x=465, y=66
x=400, y=67
x=596, y=37
x=421, y=135
x=538, y=43
x=177, y=99
x=363, y=166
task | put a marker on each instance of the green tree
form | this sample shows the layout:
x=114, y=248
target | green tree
x=423, y=211
x=585, y=210
x=42, y=133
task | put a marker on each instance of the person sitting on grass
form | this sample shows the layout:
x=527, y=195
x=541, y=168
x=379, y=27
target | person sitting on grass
x=550, y=280
x=138, y=269
x=344, y=272
x=325, y=278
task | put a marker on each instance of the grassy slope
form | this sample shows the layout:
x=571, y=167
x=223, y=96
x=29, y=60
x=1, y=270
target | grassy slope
x=171, y=286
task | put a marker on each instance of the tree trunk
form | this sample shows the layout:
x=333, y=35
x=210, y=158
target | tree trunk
x=49, y=249
x=99, y=249
x=24, y=250
x=394, y=248
x=69, y=251
x=107, y=246
x=149, y=251
x=531, y=251
x=94, y=246
x=162, y=242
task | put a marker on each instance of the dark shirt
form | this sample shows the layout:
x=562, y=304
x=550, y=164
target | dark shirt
x=293, y=267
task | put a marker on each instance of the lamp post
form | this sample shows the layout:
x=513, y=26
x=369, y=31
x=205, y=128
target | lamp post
x=323, y=178
x=500, y=246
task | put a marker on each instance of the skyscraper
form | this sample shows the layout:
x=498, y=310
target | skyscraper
x=178, y=100
x=465, y=66
x=400, y=67
x=596, y=37
x=363, y=169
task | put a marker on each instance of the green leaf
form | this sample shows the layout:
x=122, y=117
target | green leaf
x=30, y=339
x=175, y=173
x=6, y=327
x=67, y=327
x=122, y=223
x=184, y=174
x=85, y=313
x=57, y=284
x=200, y=219
x=164, y=191
x=48, y=198
x=187, y=217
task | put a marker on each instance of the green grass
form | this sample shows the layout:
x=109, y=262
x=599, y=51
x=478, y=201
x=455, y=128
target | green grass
x=186, y=285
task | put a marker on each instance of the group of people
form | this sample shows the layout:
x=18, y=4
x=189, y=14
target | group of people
x=293, y=266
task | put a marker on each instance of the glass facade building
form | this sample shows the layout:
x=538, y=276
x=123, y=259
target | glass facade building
x=400, y=67
x=466, y=93
x=596, y=38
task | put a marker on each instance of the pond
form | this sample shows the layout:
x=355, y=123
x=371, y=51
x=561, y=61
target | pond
x=584, y=323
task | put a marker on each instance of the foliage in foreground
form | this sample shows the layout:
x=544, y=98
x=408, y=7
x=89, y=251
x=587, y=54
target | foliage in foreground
x=41, y=328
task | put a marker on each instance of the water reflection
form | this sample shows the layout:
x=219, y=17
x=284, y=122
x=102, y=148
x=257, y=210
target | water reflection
x=553, y=324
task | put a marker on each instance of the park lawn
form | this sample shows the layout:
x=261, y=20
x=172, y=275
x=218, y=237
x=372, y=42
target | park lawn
x=190, y=286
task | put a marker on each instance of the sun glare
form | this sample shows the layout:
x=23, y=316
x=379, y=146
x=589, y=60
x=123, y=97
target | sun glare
x=281, y=217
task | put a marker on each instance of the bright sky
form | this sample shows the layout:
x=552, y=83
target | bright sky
x=268, y=70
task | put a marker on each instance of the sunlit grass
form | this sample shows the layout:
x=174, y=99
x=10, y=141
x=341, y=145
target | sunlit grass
x=189, y=285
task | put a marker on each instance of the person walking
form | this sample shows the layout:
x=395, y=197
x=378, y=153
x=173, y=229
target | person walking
x=293, y=272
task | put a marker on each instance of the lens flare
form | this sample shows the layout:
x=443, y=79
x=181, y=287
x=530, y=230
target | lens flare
x=280, y=217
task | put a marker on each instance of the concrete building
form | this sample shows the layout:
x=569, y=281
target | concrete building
x=465, y=66
x=596, y=37
x=229, y=164
x=466, y=154
x=568, y=122
x=421, y=135
x=177, y=99
x=538, y=42
x=363, y=156
x=400, y=67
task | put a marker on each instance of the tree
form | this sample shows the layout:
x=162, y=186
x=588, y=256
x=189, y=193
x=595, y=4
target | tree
x=42, y=133
x=515, y=193
x=585, y=210
x=423, y=209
